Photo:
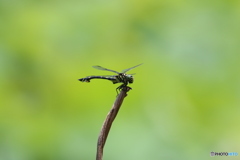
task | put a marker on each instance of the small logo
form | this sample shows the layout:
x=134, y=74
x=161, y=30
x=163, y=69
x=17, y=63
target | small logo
x=212, y=154
x=223, y=154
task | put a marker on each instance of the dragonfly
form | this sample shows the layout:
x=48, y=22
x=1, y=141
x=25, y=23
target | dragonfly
x=121, y=77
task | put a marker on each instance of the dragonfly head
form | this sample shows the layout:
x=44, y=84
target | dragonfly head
x=130, y=78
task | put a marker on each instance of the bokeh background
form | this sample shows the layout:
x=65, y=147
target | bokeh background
x=185, y=100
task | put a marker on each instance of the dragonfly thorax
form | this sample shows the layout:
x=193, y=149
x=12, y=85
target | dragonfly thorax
x=124, y=78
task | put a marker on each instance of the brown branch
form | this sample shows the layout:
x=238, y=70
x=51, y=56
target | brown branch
x=109, y=120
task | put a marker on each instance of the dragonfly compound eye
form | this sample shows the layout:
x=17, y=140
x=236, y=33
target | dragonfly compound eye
x=130, y=79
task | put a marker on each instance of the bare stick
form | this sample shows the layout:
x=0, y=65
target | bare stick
x=109, y=120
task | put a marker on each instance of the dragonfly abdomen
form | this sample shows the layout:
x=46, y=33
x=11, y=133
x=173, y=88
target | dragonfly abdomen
x=87, y=79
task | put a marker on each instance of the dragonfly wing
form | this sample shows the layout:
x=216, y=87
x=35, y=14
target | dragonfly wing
x=105, y=69
x=104, y=76
x=125, y=70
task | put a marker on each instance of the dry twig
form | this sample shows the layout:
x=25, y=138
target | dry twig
x=109, y=120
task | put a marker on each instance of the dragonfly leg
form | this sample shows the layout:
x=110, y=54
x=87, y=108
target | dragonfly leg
x=123, y=87
x=119, y=88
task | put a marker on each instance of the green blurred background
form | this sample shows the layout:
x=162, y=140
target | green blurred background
x=185, y=100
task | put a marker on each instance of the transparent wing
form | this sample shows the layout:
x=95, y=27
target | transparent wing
x=125, y=70
x=104, y=75
x=108, y=75
x=105, y=69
